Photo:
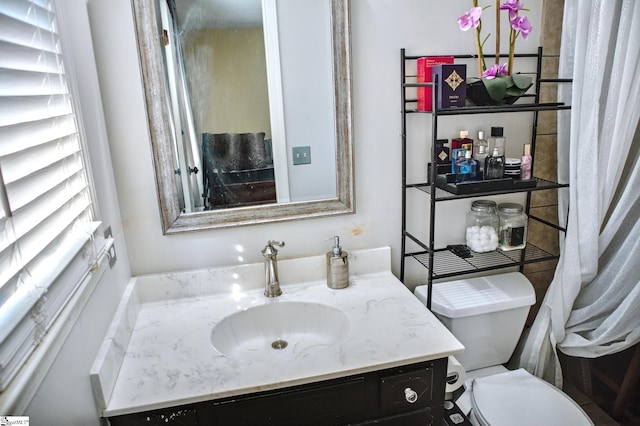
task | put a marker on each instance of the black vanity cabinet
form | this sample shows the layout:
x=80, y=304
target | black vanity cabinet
x=408, y=395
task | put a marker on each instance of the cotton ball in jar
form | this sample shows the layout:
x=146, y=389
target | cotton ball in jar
x=482, y=239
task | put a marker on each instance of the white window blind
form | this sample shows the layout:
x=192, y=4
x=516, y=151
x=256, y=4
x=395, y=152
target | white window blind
x=48, y=233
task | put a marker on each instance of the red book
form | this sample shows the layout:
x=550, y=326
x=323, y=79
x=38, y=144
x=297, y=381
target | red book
x=424, y=76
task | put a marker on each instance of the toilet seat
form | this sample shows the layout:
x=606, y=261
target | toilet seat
x=519, y=398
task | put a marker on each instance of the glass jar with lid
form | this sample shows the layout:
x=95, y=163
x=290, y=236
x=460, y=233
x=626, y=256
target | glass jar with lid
x=482, y=226
x=513, y=226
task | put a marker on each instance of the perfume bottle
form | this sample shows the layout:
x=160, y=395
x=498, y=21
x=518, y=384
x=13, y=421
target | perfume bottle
x=466, y=168
x=494, y=165
x=480, y=155
x=456, y=154
x=525, y=164
x=480, y=150
x=442, y=152
x=463, y=138
x=498, y=140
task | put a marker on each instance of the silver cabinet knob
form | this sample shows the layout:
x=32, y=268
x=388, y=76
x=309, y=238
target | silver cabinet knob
x=410, y=395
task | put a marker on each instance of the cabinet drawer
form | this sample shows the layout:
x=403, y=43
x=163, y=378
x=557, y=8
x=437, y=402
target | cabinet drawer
x=406, y=391
x=332, y=404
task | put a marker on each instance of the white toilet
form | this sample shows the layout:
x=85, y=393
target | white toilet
x=487, y=314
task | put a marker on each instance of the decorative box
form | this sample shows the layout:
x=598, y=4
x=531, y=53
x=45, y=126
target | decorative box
x=442, y=152
x=452, y=88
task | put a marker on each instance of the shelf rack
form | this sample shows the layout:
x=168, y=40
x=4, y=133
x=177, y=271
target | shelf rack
x=441, y=262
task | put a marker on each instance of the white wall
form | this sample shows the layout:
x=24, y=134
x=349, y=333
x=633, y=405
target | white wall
x=379, y=29
x=308, y=96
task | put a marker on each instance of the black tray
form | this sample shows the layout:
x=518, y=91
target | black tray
x=447, y=182
x=442, y=168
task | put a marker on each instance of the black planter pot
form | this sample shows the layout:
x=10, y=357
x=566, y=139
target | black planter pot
x=478, y=95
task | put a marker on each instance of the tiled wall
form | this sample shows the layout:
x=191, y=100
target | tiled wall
x=544, y=203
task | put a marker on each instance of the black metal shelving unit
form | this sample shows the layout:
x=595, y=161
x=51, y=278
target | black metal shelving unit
x=441, y=262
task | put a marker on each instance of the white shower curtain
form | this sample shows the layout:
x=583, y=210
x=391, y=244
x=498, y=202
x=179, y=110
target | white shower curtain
x=592, y=306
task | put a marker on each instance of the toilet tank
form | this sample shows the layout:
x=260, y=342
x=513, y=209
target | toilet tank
x=486, y=314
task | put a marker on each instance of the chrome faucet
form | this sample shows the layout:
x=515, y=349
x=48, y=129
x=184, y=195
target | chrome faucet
x=271, y=285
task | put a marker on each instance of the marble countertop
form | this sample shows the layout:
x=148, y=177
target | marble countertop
x=159, y=353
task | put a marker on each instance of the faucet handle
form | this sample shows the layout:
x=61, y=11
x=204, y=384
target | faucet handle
x=270, y=250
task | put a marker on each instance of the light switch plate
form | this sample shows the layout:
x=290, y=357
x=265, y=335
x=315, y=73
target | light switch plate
x=301, y=155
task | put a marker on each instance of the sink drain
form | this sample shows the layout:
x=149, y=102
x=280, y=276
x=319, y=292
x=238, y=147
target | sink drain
x=279, y=344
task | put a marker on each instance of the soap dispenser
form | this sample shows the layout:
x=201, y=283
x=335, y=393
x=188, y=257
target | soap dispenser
x=337, y=266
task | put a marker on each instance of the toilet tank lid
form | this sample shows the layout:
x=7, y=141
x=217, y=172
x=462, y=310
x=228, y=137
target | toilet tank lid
x=481, y=295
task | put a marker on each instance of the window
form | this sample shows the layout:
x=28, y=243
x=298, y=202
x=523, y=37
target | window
x=48, y=231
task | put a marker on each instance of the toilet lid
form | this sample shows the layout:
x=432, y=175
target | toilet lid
x=519, y=398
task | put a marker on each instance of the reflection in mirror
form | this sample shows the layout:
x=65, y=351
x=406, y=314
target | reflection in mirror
x=190, y=131
x=237, y=170
x=219, y=47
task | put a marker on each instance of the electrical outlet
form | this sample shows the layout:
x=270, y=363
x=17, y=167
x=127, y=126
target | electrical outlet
x=301, y=155
x=112, y=250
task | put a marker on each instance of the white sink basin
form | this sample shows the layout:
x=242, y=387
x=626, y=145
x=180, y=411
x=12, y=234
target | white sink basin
x=279, y=328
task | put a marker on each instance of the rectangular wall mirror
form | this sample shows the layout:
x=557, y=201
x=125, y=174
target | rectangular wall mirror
x=249, y=109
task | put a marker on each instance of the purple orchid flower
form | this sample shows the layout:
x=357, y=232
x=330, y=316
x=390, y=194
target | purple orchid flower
x=522, y=24
x=470, y=19
x=496, y=70
x=513, y=6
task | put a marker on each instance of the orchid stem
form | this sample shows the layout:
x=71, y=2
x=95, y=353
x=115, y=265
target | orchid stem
x=512, y=44
x=497, y=32
x=481, y=64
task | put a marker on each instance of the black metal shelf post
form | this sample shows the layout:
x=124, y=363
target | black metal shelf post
x=441, y=262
